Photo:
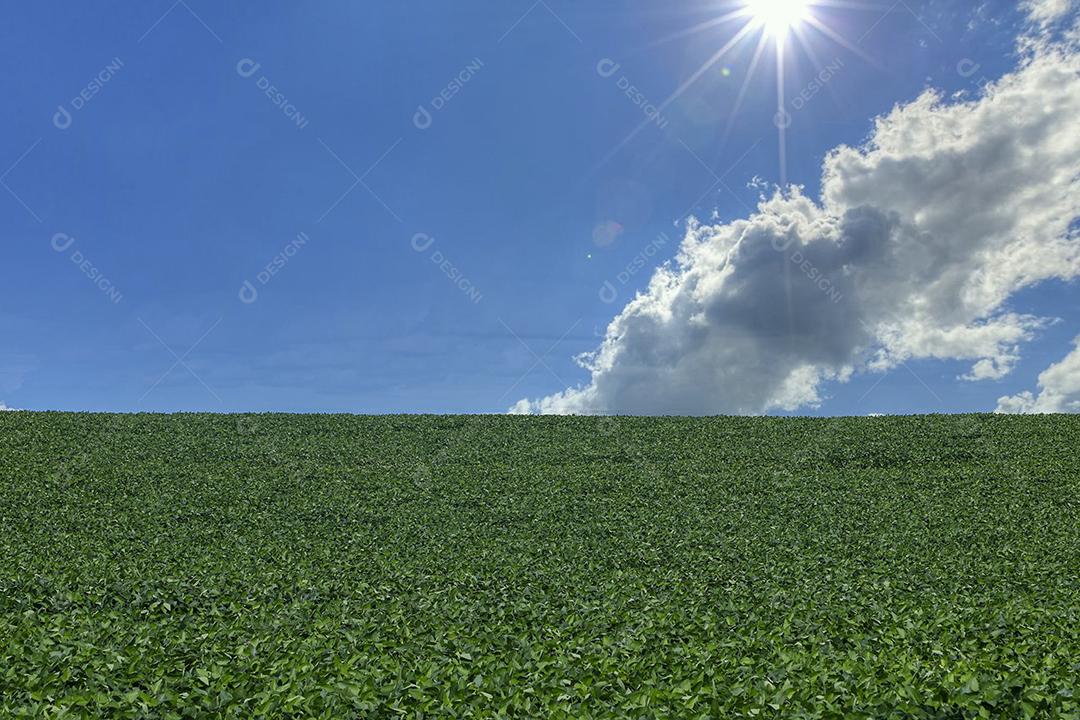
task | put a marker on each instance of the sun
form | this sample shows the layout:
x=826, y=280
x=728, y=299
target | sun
x=778, y=16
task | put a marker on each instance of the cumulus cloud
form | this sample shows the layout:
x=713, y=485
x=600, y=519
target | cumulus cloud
x=4, y=407
x=919, y=238
x=1059, y=390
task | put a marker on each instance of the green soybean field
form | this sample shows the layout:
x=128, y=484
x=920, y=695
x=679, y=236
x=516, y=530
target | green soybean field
x=332, y=566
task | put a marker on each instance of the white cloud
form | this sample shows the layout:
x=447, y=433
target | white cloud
x=918, y=241
x=1059, y=390
x=1045, y=12
x=4, y=408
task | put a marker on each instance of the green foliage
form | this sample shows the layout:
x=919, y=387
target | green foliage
x=406, y=567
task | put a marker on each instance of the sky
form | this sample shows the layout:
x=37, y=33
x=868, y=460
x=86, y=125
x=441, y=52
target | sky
x=592, y=208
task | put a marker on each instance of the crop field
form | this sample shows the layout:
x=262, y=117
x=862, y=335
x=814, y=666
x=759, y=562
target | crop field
x=405, y=567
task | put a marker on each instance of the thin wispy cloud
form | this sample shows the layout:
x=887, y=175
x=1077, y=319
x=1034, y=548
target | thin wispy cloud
x=1046, y=12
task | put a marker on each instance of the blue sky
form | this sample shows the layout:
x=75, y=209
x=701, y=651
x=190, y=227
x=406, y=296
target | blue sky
x=454, y=267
